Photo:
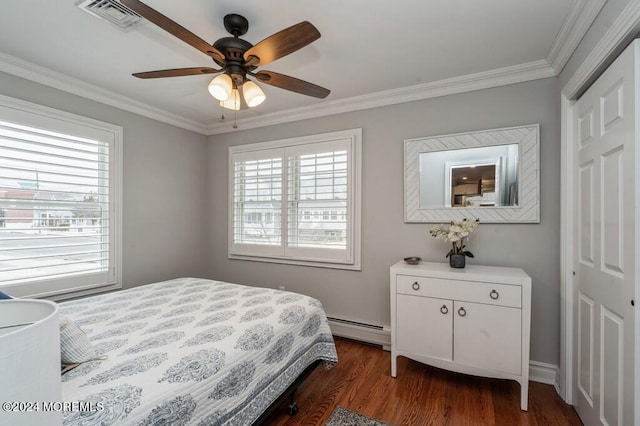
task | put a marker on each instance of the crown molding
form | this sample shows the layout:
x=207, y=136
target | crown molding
x=467, y=83
x=623, y=29
x=582, y=15
x=38, y=74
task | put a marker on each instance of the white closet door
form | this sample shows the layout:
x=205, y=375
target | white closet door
x=606, y=216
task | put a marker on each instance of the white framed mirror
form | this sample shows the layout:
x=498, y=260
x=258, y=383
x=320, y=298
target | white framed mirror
x=492, y=175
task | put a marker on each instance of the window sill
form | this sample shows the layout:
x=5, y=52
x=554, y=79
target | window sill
x=59, y=295
x=287, y=261
x=82, y=293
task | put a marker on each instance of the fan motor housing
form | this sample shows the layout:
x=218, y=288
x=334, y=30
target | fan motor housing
x=233, y=49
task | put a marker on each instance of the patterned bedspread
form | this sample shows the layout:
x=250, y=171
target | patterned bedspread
x=192, y=351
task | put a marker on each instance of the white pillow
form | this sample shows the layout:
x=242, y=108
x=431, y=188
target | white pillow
x=75, y=346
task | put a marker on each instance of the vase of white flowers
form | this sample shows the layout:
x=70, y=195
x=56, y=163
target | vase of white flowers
x=456, y=233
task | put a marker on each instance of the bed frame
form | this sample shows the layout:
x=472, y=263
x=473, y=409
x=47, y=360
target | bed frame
x=288, y=394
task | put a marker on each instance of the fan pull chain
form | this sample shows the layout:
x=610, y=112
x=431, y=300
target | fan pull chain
x=235, y=115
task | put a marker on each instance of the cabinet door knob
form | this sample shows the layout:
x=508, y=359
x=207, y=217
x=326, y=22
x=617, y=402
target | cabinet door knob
x=494, y=295
x=415, y=286
x=444, y=310
x=462, y=312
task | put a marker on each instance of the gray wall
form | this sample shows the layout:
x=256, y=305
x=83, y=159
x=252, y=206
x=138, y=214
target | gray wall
x=164, y=190
x=175, y=200
x=364, y=296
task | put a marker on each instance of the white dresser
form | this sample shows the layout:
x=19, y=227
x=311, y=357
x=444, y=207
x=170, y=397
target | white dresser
x=474, y=320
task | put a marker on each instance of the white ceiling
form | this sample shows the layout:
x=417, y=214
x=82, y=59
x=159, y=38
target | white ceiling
x=370, y=52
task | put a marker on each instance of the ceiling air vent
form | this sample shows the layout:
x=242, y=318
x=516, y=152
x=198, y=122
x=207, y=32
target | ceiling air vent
x=112, y=11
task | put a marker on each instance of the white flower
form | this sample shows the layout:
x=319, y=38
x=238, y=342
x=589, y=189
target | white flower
x=456, y=232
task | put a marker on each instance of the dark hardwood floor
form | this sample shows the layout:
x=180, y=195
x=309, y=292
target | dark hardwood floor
x=420, y=395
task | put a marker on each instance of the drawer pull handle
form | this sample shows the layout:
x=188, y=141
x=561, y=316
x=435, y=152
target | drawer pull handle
x=444, y=310
x=494, y=295
x=415, y=286
x=462, y=312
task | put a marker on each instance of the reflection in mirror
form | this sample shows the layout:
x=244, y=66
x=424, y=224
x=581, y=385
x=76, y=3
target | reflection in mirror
x=474, y=185
x=469, y=177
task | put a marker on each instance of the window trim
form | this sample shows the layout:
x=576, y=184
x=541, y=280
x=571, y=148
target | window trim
x=33, y=115
x=260, y=253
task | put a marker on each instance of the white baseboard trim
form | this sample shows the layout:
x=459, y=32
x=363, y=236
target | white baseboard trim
x=541, y=372
x=373, y=334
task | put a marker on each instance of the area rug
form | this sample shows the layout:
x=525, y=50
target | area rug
x=343, y=417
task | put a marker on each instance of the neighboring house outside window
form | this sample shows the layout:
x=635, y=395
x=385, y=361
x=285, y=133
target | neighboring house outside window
x=297, y=200
x=60, y=184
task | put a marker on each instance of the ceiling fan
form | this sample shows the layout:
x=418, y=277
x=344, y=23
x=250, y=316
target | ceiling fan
x=237, y=58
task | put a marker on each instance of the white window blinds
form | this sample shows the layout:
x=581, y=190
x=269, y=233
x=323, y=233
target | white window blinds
x=56, y=207
x=297, y=200
x=257, y=199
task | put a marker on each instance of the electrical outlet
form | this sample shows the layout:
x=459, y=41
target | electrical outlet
x=281, y=287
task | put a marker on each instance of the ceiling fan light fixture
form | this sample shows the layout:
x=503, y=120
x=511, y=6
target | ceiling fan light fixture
x=253, y=94
x=236, y=57
x=233, y=102
x=221, y=87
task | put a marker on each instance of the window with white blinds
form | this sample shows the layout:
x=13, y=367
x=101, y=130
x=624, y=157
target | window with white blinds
x=58, y=192
x=297, y=200
x=257, y=197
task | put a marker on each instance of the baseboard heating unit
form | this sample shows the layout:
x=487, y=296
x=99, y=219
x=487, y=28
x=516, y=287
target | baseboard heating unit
x=368, y=333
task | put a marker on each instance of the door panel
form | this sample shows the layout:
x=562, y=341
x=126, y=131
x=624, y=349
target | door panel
x=487, y=336
x=585, y=345
x=612, y=209
x=611, y=102
x=585, y=214
x=604, y=232
x=585, y=128
x=424, y=326
x=611, y=362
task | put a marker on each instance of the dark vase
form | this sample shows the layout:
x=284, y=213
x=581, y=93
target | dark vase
x=457, y=260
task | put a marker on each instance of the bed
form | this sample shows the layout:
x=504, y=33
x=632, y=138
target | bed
x=192, y=351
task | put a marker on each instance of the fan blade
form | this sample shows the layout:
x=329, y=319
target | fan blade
x=176, y=72
x=281, y=44
x=291, y=83
x=173, y=28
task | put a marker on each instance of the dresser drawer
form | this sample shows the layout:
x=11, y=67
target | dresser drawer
x=467, y=291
